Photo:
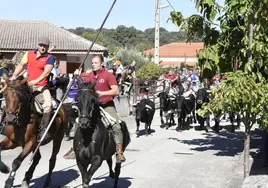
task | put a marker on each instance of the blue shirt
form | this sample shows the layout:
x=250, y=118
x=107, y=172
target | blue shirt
x=3, y=70
x=55, y=72
x=132, y=68
x=194, y=79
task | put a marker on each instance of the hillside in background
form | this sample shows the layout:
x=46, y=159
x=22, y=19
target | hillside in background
x=130, y=37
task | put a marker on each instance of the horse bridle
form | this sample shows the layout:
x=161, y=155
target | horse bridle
x=89, y=116
x=16, y=119
x=17, y=111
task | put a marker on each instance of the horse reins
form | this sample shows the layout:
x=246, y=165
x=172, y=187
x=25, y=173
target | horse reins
x=71, y=82
x=93, y=85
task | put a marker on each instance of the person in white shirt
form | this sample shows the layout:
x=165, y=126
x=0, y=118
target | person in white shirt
x=119, y=69
x=55, y=70
x=54, y=76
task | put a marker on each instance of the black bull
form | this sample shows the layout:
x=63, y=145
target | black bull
x=202, y=96
x=168, y=106
x=186, y=106
x=145, y=110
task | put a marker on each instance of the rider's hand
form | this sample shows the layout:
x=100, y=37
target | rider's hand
x=78, y=71
x=32, y=83
x=99, y=93
x=12, y=78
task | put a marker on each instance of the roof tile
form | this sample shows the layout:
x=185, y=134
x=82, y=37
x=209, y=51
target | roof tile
x=23, y=35
x=176, y=63
x=177, y=49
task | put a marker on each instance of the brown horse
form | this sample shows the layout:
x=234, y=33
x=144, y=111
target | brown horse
x=21, y=129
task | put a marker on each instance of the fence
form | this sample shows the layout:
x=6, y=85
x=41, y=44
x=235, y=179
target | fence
x=154, y=86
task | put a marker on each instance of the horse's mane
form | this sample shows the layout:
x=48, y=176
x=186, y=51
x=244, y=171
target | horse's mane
x=22, y=91
x=87, y=91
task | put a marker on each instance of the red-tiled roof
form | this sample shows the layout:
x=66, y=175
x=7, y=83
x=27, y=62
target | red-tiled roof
x=18, y=35
x=165, y=63
x=178, y=49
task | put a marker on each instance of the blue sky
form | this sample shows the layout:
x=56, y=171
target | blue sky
x=90, y=13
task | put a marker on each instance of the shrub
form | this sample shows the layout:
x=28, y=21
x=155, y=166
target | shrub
x=130, y=55
x=149, y=71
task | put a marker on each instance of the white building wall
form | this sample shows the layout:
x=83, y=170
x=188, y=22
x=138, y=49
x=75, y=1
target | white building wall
x=79, y=58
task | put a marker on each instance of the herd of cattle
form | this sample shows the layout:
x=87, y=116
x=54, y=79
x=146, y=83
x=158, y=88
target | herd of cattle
x=182, y=106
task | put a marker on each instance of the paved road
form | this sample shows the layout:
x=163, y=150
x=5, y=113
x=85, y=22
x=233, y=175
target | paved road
x=165, y=159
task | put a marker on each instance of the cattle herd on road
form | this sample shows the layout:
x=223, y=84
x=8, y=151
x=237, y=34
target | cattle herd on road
x=183, y=106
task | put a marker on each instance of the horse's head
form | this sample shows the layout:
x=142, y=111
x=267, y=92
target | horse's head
x=202, y=96
x=87, y=102
x=164, y=100
x=16, y=93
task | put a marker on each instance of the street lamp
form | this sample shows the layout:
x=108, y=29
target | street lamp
x=157, y=26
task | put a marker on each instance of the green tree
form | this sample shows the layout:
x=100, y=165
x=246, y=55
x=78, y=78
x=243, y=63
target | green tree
x=241, y=43
x=231, y=41
x=250, y=102
x=149, y=71
x=130, y=37
x=141, y=47
x=130, y=55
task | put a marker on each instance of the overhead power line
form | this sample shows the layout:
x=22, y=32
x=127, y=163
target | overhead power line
x=171, y=5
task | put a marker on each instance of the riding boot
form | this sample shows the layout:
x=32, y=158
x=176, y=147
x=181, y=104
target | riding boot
x=120, y=158
x=43, y=126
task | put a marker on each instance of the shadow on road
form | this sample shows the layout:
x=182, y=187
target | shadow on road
x=59, y=179
x=108, y=182
x=227, y=144
x=142, y=132
x=257, y=167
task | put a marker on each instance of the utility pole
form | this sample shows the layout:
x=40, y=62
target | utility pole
x=157, y=27
x=157, y=32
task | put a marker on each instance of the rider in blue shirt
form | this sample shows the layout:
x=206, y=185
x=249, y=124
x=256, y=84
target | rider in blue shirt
x=194, y=79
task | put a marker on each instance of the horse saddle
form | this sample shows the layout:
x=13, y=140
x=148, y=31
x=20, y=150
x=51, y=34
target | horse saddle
x=39, y=100
x=107, y=119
